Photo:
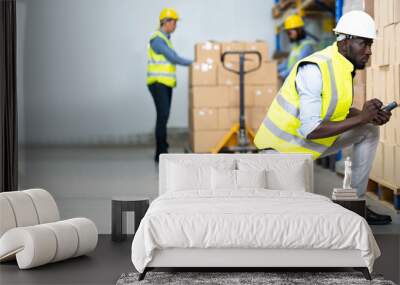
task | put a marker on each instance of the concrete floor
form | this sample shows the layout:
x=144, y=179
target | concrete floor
x=83, y=181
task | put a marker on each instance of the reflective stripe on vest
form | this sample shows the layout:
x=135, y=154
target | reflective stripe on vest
x=291, y=138
x=279, y=129
x=159, y=69
x=294, y=111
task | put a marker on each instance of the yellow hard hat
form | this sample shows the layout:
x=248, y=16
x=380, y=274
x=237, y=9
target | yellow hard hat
x=293, y=22
x=169, y=13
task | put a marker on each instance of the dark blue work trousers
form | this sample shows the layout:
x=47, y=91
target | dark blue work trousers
x=162, y=96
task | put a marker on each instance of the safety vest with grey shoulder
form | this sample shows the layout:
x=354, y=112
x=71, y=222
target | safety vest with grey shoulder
x=296, y=51
x=279, y=129
x=159, y=69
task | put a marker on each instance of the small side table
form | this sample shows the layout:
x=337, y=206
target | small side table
x=139, y=205
x=357, y=206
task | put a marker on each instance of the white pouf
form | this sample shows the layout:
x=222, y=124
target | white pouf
x=31, y=232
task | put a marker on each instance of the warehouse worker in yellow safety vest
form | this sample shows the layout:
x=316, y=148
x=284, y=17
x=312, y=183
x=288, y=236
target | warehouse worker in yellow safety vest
x=312, y=112
x=161, y=74
x=301, y=45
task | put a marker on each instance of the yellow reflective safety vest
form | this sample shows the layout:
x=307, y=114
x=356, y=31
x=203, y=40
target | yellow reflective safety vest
x=296, y=51
x=279, y=129
x=159, y=69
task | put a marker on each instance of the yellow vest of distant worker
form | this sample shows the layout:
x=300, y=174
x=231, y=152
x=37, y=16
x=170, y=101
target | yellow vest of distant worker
x=296, y=50
x=159, y=69
x=279, y=129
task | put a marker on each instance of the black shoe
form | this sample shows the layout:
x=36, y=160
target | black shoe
x=157, y=155
x=377, y=219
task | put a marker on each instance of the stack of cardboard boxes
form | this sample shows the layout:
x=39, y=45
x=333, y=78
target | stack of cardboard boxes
x=214, y=91
x=383, y=82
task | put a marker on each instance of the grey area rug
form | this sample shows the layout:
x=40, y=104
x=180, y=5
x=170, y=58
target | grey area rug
x=243, y=278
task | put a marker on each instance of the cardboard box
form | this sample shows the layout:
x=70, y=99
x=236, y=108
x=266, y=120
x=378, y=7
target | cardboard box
x=257, y=116
x=266, y=74
x=226, y=77
x=388, y=163
x=397, y=42
x=379, y=82
x=397, y=166
x=204, y=141
x=396, y=10
x=369, y=92
x=377, y=13
x=374, y=50
x=389, y=11
x=260, y=46
x=390, y=130
x=252, y=61
x=201, y=73
x=389, y=55
x=382, y=135
x=392, y=42
x=379, y=48
x=203, y=119
x=208, y=52
x=359, y=96
x=360, y=77
x=383, y=13
x=232, y=46
x=377, y=167
x=369, y=7
x=390, y=84
x=234, y=97
x=396, y=75
x=227, y=117
x=262, y=95
x=397, y=128
x=390, y=133
x=209, y=96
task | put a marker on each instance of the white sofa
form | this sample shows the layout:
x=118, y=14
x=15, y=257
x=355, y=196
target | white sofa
x=31, y=231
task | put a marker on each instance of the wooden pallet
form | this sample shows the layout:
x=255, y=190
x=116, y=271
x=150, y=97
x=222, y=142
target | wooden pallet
x=388, y=195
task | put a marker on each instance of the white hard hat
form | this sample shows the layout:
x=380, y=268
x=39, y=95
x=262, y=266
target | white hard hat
x=356, y=23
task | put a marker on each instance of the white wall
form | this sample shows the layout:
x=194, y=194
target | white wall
x=84, y=62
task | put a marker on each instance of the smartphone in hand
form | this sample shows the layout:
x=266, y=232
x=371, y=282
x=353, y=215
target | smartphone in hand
x=389, y=107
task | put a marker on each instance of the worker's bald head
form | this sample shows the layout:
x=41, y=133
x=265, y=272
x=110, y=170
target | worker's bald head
x=356, y=49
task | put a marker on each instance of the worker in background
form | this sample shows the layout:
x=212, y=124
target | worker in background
x=312, y=112
x=301, y=45
x=161, y=74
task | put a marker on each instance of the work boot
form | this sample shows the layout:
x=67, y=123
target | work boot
x=377, y=219
x=157, y=155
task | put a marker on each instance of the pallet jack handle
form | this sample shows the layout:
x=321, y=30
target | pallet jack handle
x=242, y=137
x=242, y=55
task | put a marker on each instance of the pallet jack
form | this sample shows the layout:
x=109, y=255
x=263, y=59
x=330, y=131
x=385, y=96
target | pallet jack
x=240, y=137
